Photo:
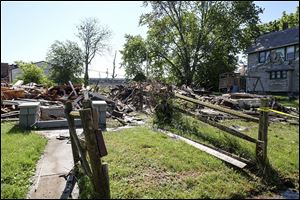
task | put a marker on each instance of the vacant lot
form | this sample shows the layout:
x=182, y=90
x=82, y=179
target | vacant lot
x=283, y=144
x=147, y=164
x=20, y=152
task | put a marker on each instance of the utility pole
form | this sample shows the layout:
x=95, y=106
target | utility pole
x=114, y=67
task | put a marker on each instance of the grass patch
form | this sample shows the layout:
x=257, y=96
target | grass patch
x=283, y=148
x=146, y=164
x=284, y=100
x=283, y=145
x=20, y=151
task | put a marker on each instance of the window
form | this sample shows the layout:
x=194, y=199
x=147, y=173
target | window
x=290, y=53
x=272, y=75
x=280, y=52
x=283, y=74
x=262, y=57
x=267, y=54
x=278, y=75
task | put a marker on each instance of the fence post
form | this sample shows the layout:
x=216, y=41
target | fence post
x=261, y=146
x=89, y=119
x=72, y=130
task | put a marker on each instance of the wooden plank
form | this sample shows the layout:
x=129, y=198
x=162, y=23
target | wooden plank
x=89, y=124
x=73, y=88
x=219, y=108
x=69, y=186
x=210, y=151
x=75, y=114
x=77, y=149
x=220, y=126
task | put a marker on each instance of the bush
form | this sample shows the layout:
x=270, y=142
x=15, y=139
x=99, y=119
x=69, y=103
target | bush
x=33, y=73
x=165, y=110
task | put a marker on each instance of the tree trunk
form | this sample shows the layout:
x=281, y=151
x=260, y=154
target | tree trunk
x=86, y=75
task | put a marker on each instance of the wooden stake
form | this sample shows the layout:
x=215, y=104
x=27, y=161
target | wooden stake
x=261, y=147
x=77, y=150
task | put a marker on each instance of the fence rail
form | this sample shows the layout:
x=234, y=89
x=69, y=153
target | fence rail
x=261, y=142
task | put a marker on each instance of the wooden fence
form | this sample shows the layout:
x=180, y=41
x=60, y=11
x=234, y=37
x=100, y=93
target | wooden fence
x=92, y=145
x=261, y=141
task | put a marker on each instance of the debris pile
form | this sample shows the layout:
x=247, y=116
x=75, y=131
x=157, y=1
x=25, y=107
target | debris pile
x=124, y=99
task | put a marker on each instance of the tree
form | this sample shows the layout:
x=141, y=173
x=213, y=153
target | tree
x=32, y=73
x=184, y=36
x=134, y=56
x=66, y=59
x=94, y=38
x=291, y=20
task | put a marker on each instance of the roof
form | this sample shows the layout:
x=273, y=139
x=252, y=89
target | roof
x=275, y=39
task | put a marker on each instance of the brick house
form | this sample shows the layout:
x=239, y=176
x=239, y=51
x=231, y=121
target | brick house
x=274, y=57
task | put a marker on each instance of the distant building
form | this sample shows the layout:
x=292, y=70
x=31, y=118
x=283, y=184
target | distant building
x=6, y=72
x=274, y=57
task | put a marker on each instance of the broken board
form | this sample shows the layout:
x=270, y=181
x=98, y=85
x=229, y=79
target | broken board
x=208, y=150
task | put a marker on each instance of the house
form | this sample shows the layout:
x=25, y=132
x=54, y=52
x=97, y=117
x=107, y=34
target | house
x=274, y=58
x=6, y=72
x=45, y=65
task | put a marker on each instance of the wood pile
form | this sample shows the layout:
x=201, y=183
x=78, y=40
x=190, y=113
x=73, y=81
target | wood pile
x=124, y=99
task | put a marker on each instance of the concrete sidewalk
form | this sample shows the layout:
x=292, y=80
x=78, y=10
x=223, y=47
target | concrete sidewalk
x=57, y=160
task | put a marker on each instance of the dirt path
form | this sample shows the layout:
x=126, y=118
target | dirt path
x=57, y=160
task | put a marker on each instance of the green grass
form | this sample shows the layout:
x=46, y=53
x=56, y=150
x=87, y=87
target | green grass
x=283, y=144
x=20, y=151
x=147, y=164
x=284, y=100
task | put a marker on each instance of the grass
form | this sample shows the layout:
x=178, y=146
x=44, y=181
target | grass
x=147, y=164
x=283, y=145
x=20, y=151
x=284, y=100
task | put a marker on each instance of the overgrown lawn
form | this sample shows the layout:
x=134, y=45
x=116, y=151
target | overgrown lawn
x=20, y=151
x=147, y=164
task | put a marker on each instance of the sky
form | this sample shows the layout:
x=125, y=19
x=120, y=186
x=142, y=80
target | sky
x=29, y=28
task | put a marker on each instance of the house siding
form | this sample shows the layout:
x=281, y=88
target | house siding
x=289, y=84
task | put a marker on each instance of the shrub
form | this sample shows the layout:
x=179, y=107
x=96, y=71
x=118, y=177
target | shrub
x=33, y=73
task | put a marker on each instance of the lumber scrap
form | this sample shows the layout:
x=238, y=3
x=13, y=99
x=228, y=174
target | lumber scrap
x=71, y=180
x=219, y=108
x=220, y=126
x=210, y=151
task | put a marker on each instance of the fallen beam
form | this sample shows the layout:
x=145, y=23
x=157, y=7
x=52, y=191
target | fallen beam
x=69, y=186
x=208, y=150
x=220, y=126
x=219, y=108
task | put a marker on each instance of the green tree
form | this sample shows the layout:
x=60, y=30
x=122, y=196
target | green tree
x=292, y=20
x=66, y=59
x=94, y=38
x=184, y=37
x=134, y=56
x=32, y=73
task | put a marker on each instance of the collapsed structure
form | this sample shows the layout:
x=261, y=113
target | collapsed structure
x=124, y=99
